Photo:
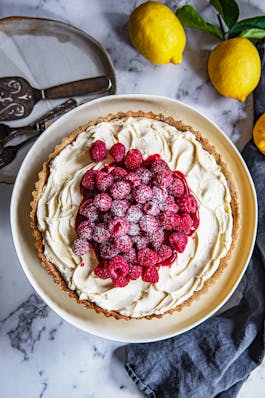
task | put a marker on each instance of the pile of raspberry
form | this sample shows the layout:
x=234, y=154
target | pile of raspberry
x=136, y=215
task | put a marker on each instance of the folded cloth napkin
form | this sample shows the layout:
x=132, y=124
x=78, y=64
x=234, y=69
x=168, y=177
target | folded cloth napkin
x=215, y=358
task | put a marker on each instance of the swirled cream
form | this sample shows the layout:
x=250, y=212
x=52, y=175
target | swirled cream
x=60, y=200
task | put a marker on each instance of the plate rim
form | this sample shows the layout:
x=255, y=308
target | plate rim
x=63, y=312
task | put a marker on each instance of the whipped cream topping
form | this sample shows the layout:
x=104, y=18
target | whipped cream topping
x=60, y=200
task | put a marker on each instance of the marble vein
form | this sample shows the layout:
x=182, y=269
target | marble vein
x=21, y=335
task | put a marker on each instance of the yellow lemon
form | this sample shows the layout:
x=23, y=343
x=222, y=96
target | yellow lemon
x=156, y=33
x=259, y=133
x=234, y=68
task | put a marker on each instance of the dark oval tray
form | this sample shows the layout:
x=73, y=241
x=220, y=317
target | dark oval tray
x=47, y=52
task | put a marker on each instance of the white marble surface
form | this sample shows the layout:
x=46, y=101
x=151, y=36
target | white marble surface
x=41, y=355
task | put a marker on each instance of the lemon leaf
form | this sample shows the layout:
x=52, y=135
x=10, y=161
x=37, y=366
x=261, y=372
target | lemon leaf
x=189, y=18
x=228, y=9
x=253, y=33
x=246, y=24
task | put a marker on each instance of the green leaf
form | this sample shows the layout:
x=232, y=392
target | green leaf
x=253, y=33
x=228, y=9
x=217, y=5
x=189, y=18
x=247, y=24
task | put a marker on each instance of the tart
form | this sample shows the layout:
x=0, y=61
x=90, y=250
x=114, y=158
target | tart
x=135, y=215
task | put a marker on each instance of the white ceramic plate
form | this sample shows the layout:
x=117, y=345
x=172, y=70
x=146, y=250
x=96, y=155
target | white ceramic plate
x=133, y=330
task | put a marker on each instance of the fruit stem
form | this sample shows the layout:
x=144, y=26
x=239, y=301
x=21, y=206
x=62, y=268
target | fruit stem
x=221, y=26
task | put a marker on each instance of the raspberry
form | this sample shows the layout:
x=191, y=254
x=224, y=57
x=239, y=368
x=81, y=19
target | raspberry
x=107, y=250
x=85, y=230
x=104, y=180
x=159, y=195
x=171, y=205
x=164, y=252
x=177, y=187
x=101, y=234
x=89, y=181
x=120, y=189
x=133, y=159
x=140, y=241
x=121, y=281
x=117, y=267
x=148, y=224
x=144, y=174
x=158, y=165
x=81, y=247
x=102, y=201
x=163, y=178
x=102, y=272
x=119, y=207
x=117, y=151
x=187, y=203
x=135, y=271
x=134, y=229
x=183, y=223
x=151, y=208
x=119, y=226
x=132, y=178
x=134, y=214
x=178, y=241
x=118, y=172
x=130, y=256
x=85, y=204
x=98, y=151
x=142, y=193
x=167, y=219
x=150, y=274
x=88, y=210
x=147, y=257
x=158, y=239
x=123, y=243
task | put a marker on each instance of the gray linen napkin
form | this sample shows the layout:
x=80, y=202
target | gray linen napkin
x=215, y=358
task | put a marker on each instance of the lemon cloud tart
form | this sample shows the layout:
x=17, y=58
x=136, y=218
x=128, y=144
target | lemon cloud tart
x=135, y=215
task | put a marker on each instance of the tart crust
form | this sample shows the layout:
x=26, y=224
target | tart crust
x=43, y=177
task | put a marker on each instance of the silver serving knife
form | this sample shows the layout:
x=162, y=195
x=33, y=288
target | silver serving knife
x=18, y=97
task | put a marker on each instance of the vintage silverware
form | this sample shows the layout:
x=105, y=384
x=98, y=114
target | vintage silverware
x=8, y=154
x=18, y=97
x=10, y=137
x=38, y=125
x=6, y=130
